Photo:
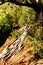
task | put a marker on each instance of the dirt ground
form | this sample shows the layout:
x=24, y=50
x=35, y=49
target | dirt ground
x=23, y=58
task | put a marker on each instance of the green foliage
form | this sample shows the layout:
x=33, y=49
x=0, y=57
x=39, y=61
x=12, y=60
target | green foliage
x=36, y=46
x=27, y=14
x=5, y=20
x=12, y=15
x=15, y=33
